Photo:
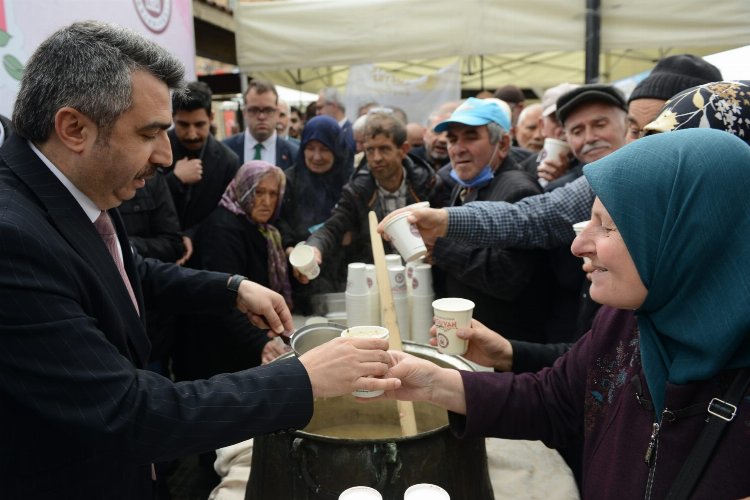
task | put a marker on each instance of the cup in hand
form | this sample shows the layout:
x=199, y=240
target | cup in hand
x=553, y=148
x=405, y=237
x=303, y=260
x=370, y=332
x=452, y=313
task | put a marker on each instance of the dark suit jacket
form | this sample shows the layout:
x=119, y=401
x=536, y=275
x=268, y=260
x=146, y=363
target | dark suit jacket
x=78, y=417
x=286, y=152
x=195, y=202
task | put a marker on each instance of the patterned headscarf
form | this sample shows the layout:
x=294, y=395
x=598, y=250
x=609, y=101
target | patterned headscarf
x=238, y=198
x=720, y=105
x=678, y=201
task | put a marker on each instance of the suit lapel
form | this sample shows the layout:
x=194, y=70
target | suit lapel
x=67, y=216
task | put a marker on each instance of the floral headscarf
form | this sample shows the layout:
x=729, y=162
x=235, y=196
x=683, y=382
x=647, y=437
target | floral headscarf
x=238, y=198
x=720, y=105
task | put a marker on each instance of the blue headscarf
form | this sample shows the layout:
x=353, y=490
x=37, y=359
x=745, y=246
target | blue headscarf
x=679, y=200
x=316, y=194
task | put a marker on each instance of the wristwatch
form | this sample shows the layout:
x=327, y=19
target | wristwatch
x=234, y=282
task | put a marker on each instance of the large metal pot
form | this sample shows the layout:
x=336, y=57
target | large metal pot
x=317, y=463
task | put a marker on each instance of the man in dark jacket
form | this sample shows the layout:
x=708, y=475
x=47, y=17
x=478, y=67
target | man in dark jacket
x=390, y=179
x=202, y=167
x=508, y=287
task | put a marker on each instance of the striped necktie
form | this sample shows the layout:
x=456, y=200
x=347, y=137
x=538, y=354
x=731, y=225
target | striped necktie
x=106, y=230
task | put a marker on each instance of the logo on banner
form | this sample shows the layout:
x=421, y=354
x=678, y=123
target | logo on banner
x=154, y=13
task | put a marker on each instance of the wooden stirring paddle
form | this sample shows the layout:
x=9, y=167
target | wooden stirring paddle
x=407, y=418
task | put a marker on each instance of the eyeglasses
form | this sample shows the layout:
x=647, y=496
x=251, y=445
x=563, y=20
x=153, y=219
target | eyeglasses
x=254, y=111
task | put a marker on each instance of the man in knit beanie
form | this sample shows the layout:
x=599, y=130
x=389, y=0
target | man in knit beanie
x=670, y=76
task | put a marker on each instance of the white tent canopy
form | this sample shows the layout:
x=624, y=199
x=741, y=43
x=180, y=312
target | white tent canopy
x=309, y=44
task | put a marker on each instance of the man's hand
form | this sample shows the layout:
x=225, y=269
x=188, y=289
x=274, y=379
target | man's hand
x=188, y=244
x=264, y=308
x=422, y=380
x=431, y=222
x=344, y=365
x=552, y=168
x=189, y=171
x=486, y=348
x=273, y=349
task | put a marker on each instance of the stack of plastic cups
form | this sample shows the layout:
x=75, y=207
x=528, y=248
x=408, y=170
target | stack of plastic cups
x=422, y=295
x=410, y=275
x=397, y=276
x=373, y=294
x=393, y=259
x=357, y=296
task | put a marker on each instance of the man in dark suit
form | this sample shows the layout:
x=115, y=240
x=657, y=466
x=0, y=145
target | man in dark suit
x=79, y=417
x=202, y=165
x=260, y=141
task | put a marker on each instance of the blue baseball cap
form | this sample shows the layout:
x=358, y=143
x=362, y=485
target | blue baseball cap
x=476, y=112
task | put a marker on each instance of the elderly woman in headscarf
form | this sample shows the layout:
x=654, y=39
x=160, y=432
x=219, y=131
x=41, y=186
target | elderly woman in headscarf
x=668, y=355
x=314, y=184
x=237, y=238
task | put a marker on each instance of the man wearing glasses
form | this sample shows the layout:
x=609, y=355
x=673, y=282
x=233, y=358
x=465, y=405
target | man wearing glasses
x=260, y=141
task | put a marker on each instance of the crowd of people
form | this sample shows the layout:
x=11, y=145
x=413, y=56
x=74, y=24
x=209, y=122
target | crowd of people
x=145, y=281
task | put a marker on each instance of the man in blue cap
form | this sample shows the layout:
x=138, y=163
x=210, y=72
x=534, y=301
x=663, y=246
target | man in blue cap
x=505, y=285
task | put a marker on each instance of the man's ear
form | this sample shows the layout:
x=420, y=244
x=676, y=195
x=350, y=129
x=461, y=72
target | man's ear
x=405, y=147
x=74, y=130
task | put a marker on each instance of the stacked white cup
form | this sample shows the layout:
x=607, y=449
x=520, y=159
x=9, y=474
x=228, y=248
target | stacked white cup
x=422, y=295
x=397, y=277
x=393, y=259
x=373, y=294
x=357, y=296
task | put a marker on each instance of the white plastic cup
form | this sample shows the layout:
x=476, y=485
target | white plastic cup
x=370, y=332
x=421, y=281
x=356, y=279
x=452, y=313
x=421, y=318
x=410, y=267
x=397, y=277
x=357, y=309
x=553, y=148
x=393, y=259
x=374, y=294
x=426, y=491
x=302, y=259
x=405, y=237
x=360, y=493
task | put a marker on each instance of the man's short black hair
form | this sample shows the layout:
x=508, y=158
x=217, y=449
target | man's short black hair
x=196, y=96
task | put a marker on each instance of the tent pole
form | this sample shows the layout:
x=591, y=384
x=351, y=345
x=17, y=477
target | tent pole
x=593, y=39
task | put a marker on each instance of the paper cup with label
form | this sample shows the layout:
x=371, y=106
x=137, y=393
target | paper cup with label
x=370, y=332
x=360, y=493
x=426, y=491
x=452, y=313
x=405, y=237
x=302, y=259
x=553, y=148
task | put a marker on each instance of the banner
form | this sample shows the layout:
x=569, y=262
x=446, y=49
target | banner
x=24, y=24
x=418, y=97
